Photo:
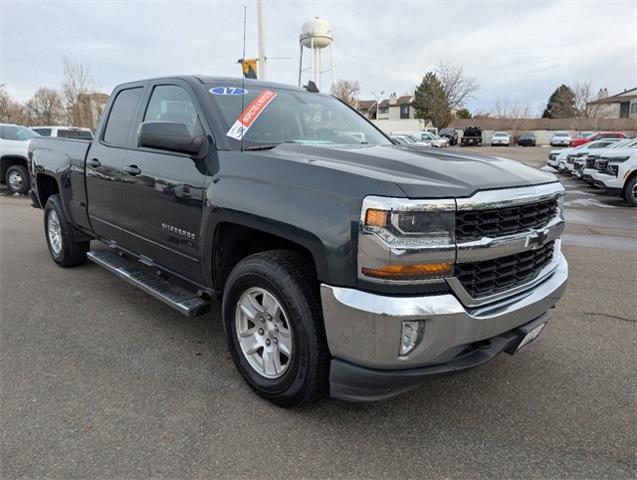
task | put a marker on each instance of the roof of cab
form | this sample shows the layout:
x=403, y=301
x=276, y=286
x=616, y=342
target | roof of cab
x=206, y=80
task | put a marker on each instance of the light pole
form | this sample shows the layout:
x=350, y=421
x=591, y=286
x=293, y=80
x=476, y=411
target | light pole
x=378, y=97
x=261, y=33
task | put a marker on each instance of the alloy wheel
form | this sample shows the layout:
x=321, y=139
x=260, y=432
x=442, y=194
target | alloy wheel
x=264, y=333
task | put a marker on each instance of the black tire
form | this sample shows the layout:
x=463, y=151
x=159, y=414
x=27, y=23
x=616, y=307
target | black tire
x=20, y=172
x=291, y=280
x=629, y=191
x=72, y=252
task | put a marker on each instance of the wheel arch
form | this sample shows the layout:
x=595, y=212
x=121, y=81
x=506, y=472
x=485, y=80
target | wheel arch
x=46, y=186
x=233, y=239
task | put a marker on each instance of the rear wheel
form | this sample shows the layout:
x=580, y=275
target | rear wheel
x=17, y=179
x=61, y=236
x=274, y=327
x=630, y=191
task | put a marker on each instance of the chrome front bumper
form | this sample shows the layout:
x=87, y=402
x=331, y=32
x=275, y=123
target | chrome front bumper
x=364, y=328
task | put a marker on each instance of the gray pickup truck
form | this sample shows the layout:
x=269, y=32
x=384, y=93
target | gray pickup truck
x=343, y=262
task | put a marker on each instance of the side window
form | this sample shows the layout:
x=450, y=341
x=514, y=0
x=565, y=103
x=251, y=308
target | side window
x=45, y=132
x=10, y=132
x=170, y=103
x=121, y=118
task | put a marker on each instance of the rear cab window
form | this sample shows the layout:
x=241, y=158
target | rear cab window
x=79, y=134
x=45, y=132
x=121, y=117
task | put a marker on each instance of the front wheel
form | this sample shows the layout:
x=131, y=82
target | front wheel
x=274, y=327
x=17, y=179
x=64, y=248
x=630, y=192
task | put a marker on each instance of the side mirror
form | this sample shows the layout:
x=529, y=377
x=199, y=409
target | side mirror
x=172, y=136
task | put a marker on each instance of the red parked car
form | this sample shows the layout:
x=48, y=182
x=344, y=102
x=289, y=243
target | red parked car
x=582, y=139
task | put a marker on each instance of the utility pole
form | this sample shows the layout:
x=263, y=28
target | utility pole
x=262, y=58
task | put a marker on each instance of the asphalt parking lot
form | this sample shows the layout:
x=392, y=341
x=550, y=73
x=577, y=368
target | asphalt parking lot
x=99, y=380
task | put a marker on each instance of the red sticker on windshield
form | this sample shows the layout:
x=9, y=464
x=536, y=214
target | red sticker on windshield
x=250, y=114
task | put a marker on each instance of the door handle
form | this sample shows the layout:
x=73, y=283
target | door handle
x=132, y=170
x=94, y=162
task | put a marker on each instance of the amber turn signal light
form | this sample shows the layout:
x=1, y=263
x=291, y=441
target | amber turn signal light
x=376, y=218
x=407, y=272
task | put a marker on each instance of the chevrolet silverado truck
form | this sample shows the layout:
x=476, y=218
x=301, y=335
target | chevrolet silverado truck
x=343, y=263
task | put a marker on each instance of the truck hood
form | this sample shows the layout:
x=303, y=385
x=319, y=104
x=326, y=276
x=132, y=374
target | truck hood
x=419, y=172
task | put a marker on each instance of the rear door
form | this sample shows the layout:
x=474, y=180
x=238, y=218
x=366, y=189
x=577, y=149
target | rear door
x=104, y=164
x=162, y=190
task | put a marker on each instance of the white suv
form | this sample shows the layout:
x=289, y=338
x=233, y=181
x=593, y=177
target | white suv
x=562, y=160
x=617, y=174
x=14, y=144
x=585, y=166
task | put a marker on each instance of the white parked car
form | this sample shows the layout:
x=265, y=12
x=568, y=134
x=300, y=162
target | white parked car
x=427, y=137
x=500, y=139
x=436, y=140
x=617, y=174
x=561, y=139
x=14, y=144
x=558, y=159
x=408, y=138
x=569, y=164
x=585, y=165
x=64, y=132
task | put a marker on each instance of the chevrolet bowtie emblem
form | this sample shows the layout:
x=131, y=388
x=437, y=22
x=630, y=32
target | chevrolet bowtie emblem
x=536, y=239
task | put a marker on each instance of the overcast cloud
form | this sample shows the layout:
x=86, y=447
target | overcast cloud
x=518, y=51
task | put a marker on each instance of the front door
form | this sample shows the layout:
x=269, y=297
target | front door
x=163, y=191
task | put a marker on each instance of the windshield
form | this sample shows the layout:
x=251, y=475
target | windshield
x=561, y=134
x=273, y=116
x=500, y=134
x=13, y=132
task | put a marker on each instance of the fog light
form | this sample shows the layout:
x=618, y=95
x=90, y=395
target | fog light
x=410, y=335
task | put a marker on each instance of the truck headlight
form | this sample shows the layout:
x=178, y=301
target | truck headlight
x=406, y=240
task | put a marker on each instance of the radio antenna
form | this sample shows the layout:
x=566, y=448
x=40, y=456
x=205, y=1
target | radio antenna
x=243, y=77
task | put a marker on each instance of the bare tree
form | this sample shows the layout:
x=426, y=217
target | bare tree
x=347, y=91
x=584, y=108
x=513, y=112
x=45, y=107
x=506, y=109
x=459, y=88
x=10, y=110
x=76, y=88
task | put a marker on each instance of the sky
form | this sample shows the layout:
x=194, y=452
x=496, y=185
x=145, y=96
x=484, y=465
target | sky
x=519, y=51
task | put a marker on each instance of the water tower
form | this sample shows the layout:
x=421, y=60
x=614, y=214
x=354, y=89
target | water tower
x=316, y=35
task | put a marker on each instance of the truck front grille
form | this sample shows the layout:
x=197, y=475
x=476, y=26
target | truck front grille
x=590, y=162
x=475, y=224
x=601, y=165
x=489, y=277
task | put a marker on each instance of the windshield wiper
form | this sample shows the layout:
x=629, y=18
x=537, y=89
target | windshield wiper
x=262, y=146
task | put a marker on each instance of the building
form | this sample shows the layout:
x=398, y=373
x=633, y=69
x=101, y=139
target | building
x=395, y=114
x=392, y=108
x=620, y=105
